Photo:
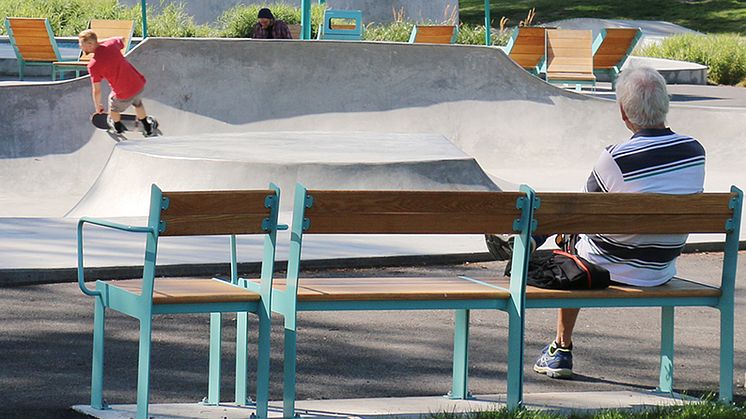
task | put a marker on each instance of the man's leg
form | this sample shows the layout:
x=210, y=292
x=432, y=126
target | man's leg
x=140, y=111
x=565, y=324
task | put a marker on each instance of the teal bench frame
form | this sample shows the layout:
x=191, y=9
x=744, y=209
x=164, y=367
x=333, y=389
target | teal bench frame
x=141, y=307
x=285, y=301
x=569, y=216
x=327, y=32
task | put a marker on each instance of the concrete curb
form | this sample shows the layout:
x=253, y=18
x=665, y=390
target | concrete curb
x=34, y=276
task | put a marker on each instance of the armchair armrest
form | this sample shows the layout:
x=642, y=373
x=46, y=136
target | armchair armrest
x=107, y=224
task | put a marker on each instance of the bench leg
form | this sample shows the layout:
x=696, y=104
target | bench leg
x=288, y=386
x=97, y=369
x=667, y=347
x=216, y=336
x=242, y=342
x=726, y=352
x=263, y=361
x=515, y=358
x=460, y=385
x=143, y=368
x=21, y=68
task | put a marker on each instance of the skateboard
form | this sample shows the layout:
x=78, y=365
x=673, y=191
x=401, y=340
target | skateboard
x=101, y=121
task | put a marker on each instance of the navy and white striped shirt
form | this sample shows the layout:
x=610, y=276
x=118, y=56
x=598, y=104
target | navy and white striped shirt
x=654, y=161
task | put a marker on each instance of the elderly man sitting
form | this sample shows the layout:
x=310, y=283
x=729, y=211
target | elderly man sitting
x=267, y=27
x=654, y=160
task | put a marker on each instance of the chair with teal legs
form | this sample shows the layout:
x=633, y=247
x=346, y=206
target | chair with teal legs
x=227, y=213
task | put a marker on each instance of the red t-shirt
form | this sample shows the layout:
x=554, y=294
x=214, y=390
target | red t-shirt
x=109, y=63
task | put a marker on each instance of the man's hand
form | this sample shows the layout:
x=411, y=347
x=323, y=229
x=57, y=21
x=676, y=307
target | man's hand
x=99, y=108
x=96, y=93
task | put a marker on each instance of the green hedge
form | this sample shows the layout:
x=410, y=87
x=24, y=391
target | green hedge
x=724, y=54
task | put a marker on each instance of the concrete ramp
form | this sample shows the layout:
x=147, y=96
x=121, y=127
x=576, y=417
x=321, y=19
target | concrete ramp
x=518, y=128
x=253, y=160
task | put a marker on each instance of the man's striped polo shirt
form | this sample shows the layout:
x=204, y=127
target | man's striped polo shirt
x=654, y=161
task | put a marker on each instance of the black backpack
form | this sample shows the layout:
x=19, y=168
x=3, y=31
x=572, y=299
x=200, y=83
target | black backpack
x=560, y=270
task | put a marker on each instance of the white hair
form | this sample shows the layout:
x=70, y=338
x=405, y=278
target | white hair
x=641, y=92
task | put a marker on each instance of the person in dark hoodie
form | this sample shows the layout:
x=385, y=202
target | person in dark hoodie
x=267, y=27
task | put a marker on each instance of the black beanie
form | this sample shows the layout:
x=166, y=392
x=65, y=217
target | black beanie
x=265, y=14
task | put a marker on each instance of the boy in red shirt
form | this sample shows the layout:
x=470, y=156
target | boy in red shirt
x=125, y=81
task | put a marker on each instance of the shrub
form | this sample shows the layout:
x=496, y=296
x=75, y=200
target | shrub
x=173, y=21
x=66, y=17
x=724, y=54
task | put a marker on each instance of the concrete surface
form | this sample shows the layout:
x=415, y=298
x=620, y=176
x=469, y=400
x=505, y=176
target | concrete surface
x=406, y=407
x=516, y=127
x=46, y=341
x=674, y=71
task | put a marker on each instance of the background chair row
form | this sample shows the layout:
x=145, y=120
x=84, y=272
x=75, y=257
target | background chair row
x=572, y=56
x=34, y=43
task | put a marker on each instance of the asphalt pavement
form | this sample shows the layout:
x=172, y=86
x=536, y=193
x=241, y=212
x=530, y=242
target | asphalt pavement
x=45, y=347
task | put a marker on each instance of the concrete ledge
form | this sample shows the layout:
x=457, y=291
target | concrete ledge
x=409, y=407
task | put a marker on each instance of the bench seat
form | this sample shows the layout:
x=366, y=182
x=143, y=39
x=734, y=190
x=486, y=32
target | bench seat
x=392, y=289
x=189, y=290
x=571, y=76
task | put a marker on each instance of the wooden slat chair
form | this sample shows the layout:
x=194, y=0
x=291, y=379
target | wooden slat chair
x=104, y=29
x=433, y=34
x=405, y=212
x=345, y=25
x=611, y=48
x=526, y=47
x=570, y=57
x=228, y=213
x=33, y=43
x=621, y=213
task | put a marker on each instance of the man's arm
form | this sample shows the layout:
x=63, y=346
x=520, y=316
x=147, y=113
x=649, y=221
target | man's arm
x=96, y=93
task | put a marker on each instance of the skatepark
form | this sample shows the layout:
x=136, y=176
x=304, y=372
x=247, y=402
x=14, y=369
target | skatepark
x=239, y=114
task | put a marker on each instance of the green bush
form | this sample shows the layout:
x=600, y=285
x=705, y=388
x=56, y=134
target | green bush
x=239, y=21
x=173, y=21
x=67, y=17
x=398, y=31
x=724, y=54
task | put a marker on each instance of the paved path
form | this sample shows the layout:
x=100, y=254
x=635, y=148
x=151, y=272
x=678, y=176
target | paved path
x=45, y=338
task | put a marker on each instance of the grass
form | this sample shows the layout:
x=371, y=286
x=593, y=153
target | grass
x=712, y=16
x=706, y=409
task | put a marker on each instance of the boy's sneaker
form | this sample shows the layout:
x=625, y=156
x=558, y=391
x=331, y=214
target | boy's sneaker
x=555, y=362
x=148, y=126
x=501, y=245
x=117, y=127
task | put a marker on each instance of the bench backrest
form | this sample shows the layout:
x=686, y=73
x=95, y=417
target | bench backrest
x=411, y=212
x=433, y=34
x=295, y=30
x=569, y=51
x=526, y=46
x=32, y=39
x=344, y=25
x=109, y=29
x=216, y=212
x=612, y=47
x=638, y=213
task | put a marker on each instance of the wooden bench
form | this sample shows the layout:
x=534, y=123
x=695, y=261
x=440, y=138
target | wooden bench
x=622, y=213
x=104, y=29
x=569, y=57
x=405, y=212
x=611, y=48
x=33, y=43
x=526, y=47
x=228, y=213
x=433, y=34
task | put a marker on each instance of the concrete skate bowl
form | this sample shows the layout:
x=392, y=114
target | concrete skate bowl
x=518, y=128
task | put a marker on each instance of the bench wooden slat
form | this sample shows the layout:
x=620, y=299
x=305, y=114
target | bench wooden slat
x=676, y=287
x=434, y=34
x=643, y=214
x=199, y=225
x=189, y=291
x=409, y=212
x=393, y=289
